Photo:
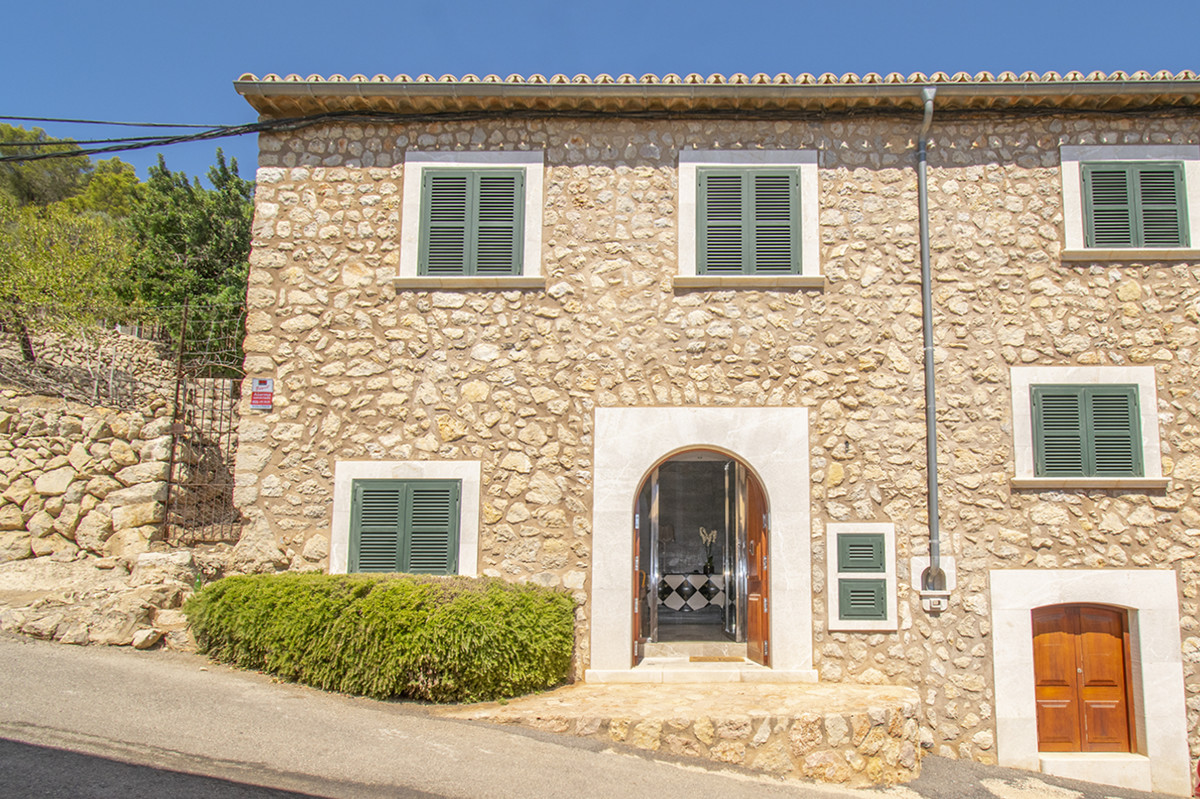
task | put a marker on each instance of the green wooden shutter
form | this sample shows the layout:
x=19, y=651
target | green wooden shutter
x=1139, y=204
x=1058, y=431
x=862, y=599
x=1114, y=430
x=860, y=552
x=432, y=515
x=748, y=221
x=722, y=223
x=1108, y=201
x=499, y=232
x=375, y=525
x=1161, y=206
x=776, y=222
x=405, y=526
x=1086, y=431
x=472, y=221
x=445, y=229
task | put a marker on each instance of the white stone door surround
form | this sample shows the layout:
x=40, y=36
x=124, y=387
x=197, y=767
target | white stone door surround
x=629, y=442
x=1151, y=597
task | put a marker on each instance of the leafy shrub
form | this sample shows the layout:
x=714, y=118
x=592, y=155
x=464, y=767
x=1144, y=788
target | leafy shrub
x=441, y=639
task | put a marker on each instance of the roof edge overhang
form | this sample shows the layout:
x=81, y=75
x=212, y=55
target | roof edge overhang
x=293, y=96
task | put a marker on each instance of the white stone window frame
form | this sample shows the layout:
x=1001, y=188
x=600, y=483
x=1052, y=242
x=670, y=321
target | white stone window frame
x=1072, y=157
x=691, y=161
x=1160, y=714
x=532, y=162
x=469, y=473
x=1022, y=378
x=891, y=622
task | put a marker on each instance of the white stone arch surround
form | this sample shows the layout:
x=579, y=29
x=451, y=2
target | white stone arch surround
x=684, y=450
x=773, y=443
x=1152, y=598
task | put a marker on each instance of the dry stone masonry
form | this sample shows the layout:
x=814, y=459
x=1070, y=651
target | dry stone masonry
x=83, y=494
x=850, y=735
x=80, y=481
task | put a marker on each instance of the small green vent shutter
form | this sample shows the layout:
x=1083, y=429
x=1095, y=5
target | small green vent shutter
x=405, y=526
x=1140, y=204
x=862, y=599
x=1086, y=431
x=860, y=552
x=472, y=221
x=748, y=221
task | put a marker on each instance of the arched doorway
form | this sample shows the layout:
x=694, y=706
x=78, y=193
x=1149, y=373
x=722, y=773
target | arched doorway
x=700, y=560
x=1081, y=663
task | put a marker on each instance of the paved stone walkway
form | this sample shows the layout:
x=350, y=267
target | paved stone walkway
x=846, y=734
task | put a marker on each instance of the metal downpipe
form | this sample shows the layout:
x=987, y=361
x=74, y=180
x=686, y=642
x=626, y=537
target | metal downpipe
x=933, y=579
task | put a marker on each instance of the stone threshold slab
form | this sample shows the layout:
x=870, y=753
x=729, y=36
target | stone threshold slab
x=700, y=673
x=855, y=735
x=1119, y=769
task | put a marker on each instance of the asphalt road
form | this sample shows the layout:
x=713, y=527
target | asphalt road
x=103, y=723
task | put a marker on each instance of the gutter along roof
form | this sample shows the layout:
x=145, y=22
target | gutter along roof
x=293, y=96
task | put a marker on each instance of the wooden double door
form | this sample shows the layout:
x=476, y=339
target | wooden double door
x=1082, y=677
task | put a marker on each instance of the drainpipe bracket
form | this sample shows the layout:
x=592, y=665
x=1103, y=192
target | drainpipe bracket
x=935, y=601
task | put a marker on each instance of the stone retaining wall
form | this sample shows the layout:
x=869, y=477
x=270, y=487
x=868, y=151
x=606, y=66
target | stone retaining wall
x=93, y=365
x=79, y=480
x=870, y=739
x=82, y=500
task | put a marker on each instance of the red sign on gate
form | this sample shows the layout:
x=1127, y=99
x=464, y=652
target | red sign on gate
x=262, y=393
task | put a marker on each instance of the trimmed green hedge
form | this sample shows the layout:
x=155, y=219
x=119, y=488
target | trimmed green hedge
x=441, y=639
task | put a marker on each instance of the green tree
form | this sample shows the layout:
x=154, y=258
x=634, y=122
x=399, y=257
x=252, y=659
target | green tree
x=43, y=181
x=192, y=242
x=111, y=189
x=59, y=269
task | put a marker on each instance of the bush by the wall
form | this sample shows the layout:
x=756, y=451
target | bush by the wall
x=441, y=639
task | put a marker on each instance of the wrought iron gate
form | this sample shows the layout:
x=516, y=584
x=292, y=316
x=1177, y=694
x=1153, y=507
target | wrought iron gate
x=208, y=387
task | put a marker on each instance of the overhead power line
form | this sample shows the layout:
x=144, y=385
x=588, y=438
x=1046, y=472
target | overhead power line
x=69, y=142
x=106, y=122
x=297, y=123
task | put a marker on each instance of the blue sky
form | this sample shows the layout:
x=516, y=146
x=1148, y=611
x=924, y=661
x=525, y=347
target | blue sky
x=175, y=61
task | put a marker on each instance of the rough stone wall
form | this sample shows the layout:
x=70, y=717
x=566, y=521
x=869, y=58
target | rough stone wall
x=82, y=500
x=79, y=480
x=511, y=378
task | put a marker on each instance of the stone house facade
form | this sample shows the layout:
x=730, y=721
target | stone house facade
x=574, y=321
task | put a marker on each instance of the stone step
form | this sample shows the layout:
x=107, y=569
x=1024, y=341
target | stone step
x=855, y=735
x=687, y=649
x=685, y=670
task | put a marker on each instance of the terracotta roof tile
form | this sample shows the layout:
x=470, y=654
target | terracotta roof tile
x=739, y=78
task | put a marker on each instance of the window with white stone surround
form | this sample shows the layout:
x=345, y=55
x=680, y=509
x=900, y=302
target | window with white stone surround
x=798, y=166
x=861, y=576
x=1151, y=190
x=466, y=475
x=1032, y=385
x=482, y=174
